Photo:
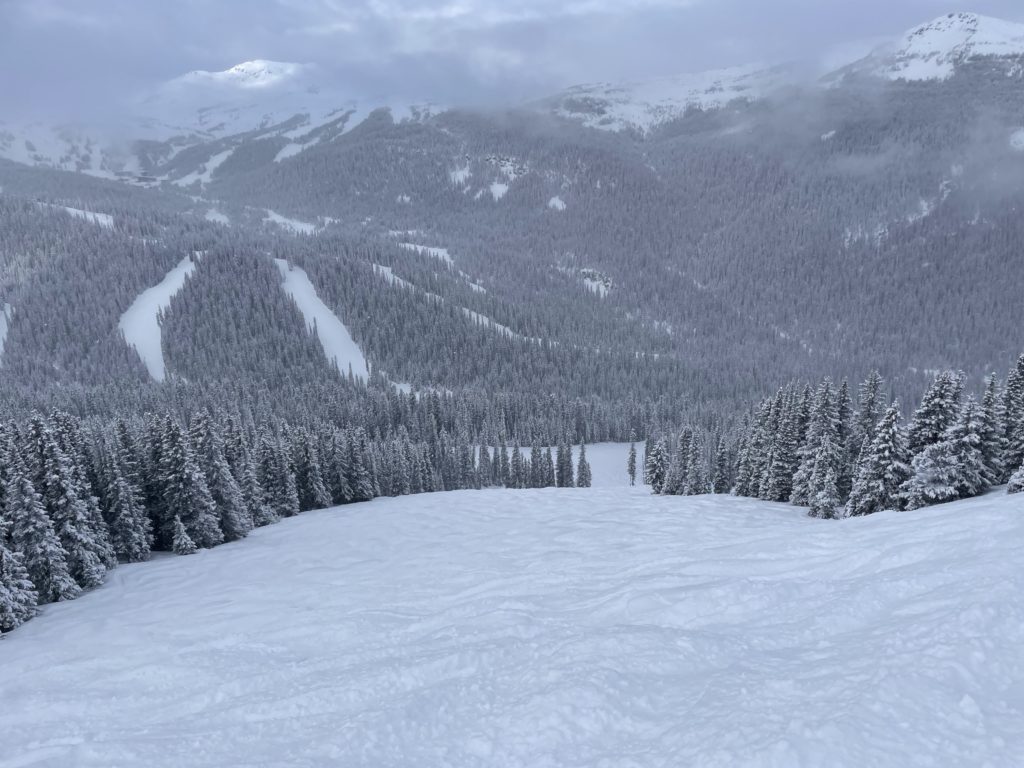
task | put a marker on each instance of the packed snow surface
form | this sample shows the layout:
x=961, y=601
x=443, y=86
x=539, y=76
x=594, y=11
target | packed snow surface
x=292, y=225
x=141, y=321
x=205, y=175
x=100, y=219
x=337, y=342
x=590, y=627
x=426, y=250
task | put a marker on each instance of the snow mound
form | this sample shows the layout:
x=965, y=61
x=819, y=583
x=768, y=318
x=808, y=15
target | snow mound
x=337, y=342
x=590, y=627
x=140, y=323
x=932, y=51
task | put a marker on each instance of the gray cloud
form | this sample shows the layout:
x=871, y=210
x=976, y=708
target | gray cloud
x=83, y=57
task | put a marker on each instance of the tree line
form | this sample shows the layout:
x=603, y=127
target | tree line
x=78, y=497
x=817, y=449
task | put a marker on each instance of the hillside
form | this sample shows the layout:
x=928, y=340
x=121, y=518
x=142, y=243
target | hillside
x=551, y=627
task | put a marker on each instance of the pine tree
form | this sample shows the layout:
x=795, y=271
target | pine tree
x=953, y=468
x=186, y=496
x=563, y=466
x=518, y=473
x=255, y=500
x=232, y=512
x=84, y=544
x=18, y=597
x=34, y=539
x=822, y=421
x=536, y=466
x=656, y=467
x=938, y=411
x=484, y=469
x=993, y=433
x=181, y=543
x=824, y=498
x=127, y=521
x=720, y=481
x=583, y=476
x=882, y=469
x=548, y=473
x=1017, y=481
x=870, y=402
x=309, y=480
x=631, y=461
x=1013, y=414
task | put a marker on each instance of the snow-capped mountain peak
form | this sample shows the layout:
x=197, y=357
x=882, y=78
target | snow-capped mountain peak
x=258, y=73
x=932, y=51
x=642, y=106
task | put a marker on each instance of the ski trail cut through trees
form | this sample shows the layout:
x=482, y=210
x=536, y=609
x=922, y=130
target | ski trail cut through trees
x=6, y=315
x=140, y=324
x=337, y=342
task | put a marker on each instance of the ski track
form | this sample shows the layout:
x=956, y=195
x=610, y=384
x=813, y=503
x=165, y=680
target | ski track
x=140, y=323
x=592, y=627
x=337, y=342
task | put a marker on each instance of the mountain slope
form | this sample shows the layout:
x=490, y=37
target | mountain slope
x=570, y=627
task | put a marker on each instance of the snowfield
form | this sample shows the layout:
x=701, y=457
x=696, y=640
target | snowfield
x=591, y=627
x=334, y=337
x=140, y=323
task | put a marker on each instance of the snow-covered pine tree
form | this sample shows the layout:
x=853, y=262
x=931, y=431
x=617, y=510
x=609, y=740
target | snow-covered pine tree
x=1013, y=414
x=993, y=433
x=309, y=478
x=675, y=477
x=484, y=467
x=518, y=473
x=882, y=469
x=656, y=467
x=129, y=525
x=696, y=471
x=181, y=542
x=563, y=466
x=953, y=468
x=536, y=466
x=583, y=474
x=18, y=597
x=777, y=484
x=548, y=475
x=631, y=460
x=870, y=405
x=824, y=499
x=822, y=421
x=252, y=492
x=33, y=537
x=844, y=440
x=186, y=495
x=232, y=512
x=720, y=481
x=85, y=545
x=1016, y=481
x=938, y=412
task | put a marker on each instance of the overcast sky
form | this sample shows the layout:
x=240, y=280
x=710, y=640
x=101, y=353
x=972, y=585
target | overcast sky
x=73, y=56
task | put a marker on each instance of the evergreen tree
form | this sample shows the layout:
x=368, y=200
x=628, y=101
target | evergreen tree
x=993, y=433
x=232, y=512
x=631, y=461
x=720, y=481
x=882, y=469
x=18, y=596
x=563, y=466
x=1013, y=414
x=824, y=498
x=255, y=500
x=518, y=473
x=85, y=546
x=583, y=475
x=129, y=525
x=484, y=469
x=870, y=402
x=186, y=496
x=34, y=539
x=1017, y=481
x=938, y=411
x=548, y=473
x=822, y=422
x=536, y=466
x=309, y=479
x=656, y=467
x=181, y=542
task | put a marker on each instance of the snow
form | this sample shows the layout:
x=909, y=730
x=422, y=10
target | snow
x=206, y=174
x=293, y=225
x=403, y=199
x=828, y=136
x=932, y=51
x=140, y=323
x=596, y=286
x=389, y=275
x=217, y=217
x=337, y=342
x=288, y=150
x=426, y=250
x=6, y=315
x=642, y=106
x=1017, y=140
x=556, y=204
x=100, y=219
x=556, y=627
x=498, y=190
x=460, y=176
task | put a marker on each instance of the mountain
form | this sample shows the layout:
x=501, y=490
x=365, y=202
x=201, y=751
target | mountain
x=695, y=237
x=935, y=51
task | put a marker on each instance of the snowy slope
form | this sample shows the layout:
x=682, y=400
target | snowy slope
x=140, y=323
x=933, y=51
x=642, y=106
x=583, y=628
x=337, y=342
x=6, y=314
